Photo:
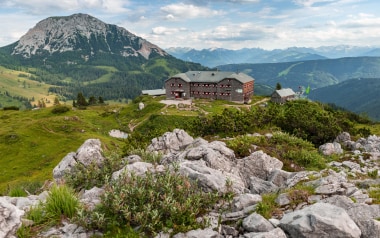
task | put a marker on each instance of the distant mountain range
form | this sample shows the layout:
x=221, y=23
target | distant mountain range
x=219, y=56
x=352, y=83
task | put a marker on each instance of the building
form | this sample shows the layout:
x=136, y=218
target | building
x=236, y=87
x=283, y=95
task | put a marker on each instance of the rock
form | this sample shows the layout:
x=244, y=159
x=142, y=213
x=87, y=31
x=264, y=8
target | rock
x=65, y=166
x=279, y=177
x=351, y=165
x=362, y=214
x=258, y=164
x=90, y=152
x=331, y=148
x=131, y=159
x=343, y=137
x=275, y=233
x=141, y=106
x=138, y=169
x=257, y=223
x=10, y=218
x=91, y=198
x=205, y=233
x=260, y=186
x=69, y=230
x=229, y=231
x=210, y=179
x=282, y=200
x=170, y=142
x=245, y=200
x=320, y=220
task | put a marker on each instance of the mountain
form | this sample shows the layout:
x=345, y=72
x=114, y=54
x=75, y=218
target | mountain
x=84, y=33
x=360, y=95
x=220, y=56
x=80, y=53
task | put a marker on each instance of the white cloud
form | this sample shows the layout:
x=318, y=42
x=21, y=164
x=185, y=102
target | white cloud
x=183, y=11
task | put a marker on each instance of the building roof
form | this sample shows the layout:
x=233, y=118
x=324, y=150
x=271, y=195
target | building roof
x=212, y=76
x=154, y=92
x=285, y=92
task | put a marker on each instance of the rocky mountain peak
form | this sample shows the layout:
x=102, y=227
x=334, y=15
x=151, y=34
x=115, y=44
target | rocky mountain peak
x=82, y=32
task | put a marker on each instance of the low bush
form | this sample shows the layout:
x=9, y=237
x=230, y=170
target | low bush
x=267, y=206
x=155, y=202
x=60, y=109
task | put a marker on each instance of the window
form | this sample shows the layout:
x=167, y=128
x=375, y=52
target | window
x=180, y=85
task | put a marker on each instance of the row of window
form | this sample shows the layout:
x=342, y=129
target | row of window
x=202, y=85
x=209, y=93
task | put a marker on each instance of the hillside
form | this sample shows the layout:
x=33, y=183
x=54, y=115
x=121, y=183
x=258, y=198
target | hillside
x=360, y=95
x=80, y=53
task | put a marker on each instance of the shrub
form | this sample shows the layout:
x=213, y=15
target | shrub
x=86, y=177
x=373, y=174
x=15, y=108
x=242, y=146
x=60, y=109
x=155, y=202
x=307, y=159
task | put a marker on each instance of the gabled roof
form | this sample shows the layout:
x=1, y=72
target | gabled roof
x=285, y=92
x=212, y=76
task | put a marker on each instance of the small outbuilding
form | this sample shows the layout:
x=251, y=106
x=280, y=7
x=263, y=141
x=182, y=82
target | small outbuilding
x=283, y=95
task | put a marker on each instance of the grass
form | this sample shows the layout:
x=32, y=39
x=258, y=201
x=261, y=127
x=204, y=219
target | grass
x=33, y=142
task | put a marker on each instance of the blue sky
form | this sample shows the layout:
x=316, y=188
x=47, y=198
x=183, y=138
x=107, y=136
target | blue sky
x=199, y=24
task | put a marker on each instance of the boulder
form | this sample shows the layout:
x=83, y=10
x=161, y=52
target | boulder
x=10, y=218
x=170, y=142
x=260, y=186
x=331, y=148
x=210, y=179
x=244, y=200
x=257, y=223
x=138, y=169
x=90, y=152
x=343, y=137
x=204, y=233
x=275, y=233
x=91, y=198
x=279, y=177
x=320, y=220
x=259, y=165
x=65, y=166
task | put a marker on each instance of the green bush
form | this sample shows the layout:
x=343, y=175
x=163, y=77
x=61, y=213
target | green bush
x=307, y=159
x=14, y=108
x=155, y=202
x=268, y=205
x=60, y=109
x=86, y=177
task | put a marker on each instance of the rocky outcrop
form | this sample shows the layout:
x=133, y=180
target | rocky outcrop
x=339, y=208
x=90, y=152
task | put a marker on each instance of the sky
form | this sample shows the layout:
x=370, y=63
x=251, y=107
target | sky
x=202, y=24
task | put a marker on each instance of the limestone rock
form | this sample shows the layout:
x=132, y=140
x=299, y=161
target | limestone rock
x=331, y=148
x=245, y=200
x=257, y=223
x=170, y=142
x=275, y=233
x=259, y=186
x=320, y=220
x=258, y=164
x=10, y=218
x=204, y=233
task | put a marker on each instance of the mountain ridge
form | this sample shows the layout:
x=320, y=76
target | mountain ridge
x=70, y=33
